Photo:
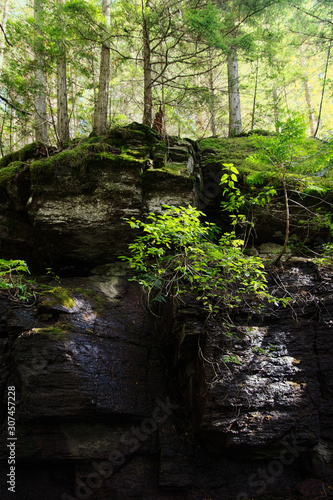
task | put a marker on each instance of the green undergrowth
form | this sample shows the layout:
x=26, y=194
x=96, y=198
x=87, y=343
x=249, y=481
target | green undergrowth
x=310, y=172
x=13, y=279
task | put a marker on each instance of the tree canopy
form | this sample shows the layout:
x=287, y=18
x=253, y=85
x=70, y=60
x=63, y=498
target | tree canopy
x=70, y=67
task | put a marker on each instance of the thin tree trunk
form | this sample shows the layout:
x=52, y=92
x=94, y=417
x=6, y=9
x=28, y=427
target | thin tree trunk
x=323, y=91
x=4, y=22
x=53, y=120
x=93, y=73
x=147, y=93
x=309, y=105
x=101, y=108
x=307, y=95
x=286, y=238
x=10, y=131
x=255, y=96
x=212, y=94
x=62, y=114
x=235, y=121
x=62, y=106
x=110, y=107
x=72, y=116
x=275, y=107
x=40, y=97
x=1, y=132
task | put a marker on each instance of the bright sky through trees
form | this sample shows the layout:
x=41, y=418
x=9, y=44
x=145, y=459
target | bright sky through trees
x=166, y=55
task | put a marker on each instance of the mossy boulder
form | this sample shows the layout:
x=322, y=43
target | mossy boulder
x=26, y=153
x=7, y=174
x=134, y=134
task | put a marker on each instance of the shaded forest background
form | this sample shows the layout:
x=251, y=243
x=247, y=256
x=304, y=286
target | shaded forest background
x=202, y=68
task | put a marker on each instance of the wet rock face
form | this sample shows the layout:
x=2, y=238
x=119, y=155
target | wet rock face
x=115, y=403
x=88, y=375
x=128, y=404
x=277, y=403
x=70, y=206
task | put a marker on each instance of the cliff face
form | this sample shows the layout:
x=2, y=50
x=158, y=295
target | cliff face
x=113, y=402
x=69, y=207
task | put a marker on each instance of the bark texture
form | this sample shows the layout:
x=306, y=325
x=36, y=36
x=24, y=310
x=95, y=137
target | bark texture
x=4, y=22
x=275, y=106
x=40, y=79
x=212, y=95
x=147, y=95
x=309, y=106
x=101, y=107
x=235, y=121
x=63, y=121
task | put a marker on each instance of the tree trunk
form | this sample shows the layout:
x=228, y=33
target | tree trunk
x=255, y=96
x=62, y=107
x=235, y=121
x=308, y=95
x=101, y=108
x=323, y=90
x=276, y=107
x=4, y=22
x=212, y=94
x=40, y=80
x=309, y=105
x=286, y=237
x=147, y=94
x=62, y=116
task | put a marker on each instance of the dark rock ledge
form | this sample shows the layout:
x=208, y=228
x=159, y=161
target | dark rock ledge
x=114, y=403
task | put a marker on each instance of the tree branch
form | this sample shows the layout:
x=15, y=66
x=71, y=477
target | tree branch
x=14, y=107
x=4, y=34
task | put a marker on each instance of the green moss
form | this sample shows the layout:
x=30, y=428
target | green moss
x=8, y=173
x=5, y=160
x=27, y=152
x=238, y=151
x=58, y=330
x=238, y=145
x=57, y=295
x=107, y=156
x=127, y=156
x=23, y=154
x=139, y=153
x=92, y=140
x=75, y=157
x=179, y=169
x=40, y=168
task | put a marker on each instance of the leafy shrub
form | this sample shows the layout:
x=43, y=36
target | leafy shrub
x=176, y=254
x=12, y=278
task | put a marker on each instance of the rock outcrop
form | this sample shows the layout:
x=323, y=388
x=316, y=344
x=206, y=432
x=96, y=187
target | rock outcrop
x=69, y=207
x=113, y=402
